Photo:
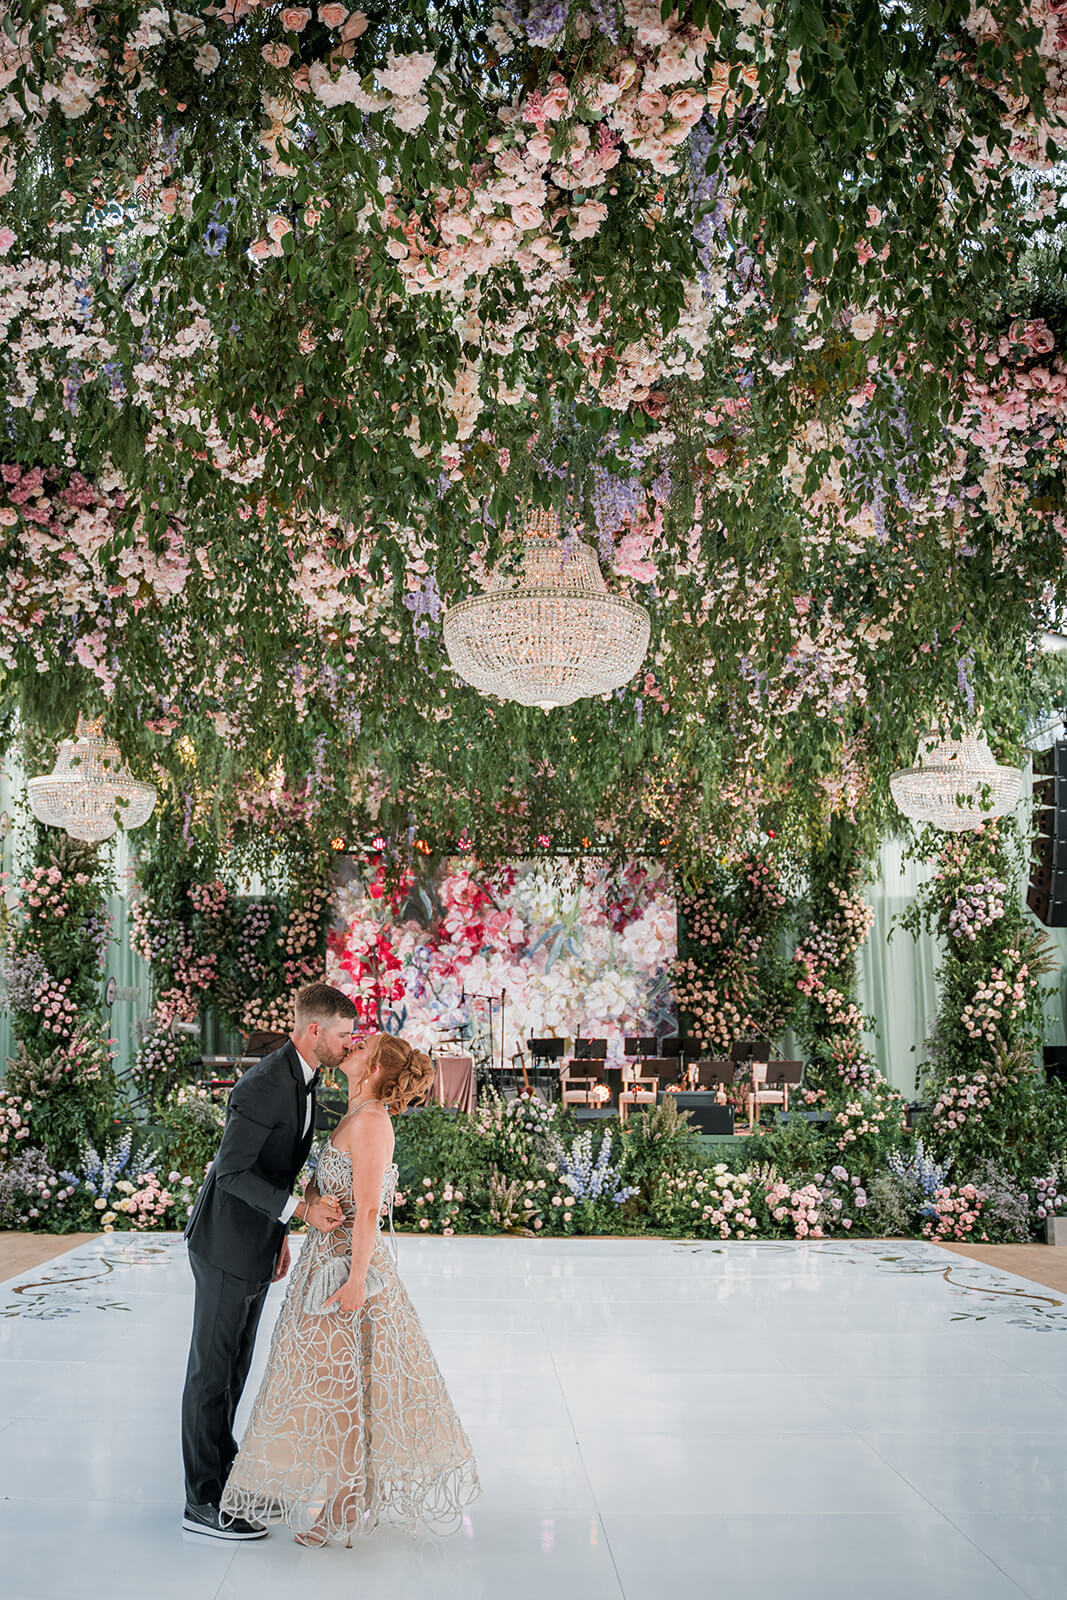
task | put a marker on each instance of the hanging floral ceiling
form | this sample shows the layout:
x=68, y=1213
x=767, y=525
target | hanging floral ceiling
x=304, y=307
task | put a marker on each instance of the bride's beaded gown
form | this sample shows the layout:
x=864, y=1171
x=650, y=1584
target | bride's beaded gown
x=353, y=1424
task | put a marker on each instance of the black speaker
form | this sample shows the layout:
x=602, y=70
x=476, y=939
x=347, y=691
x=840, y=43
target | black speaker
x=1046, y=894
x=1055, y=1056
x=707, y=1116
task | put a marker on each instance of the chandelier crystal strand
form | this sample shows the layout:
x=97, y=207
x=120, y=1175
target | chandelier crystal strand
x=551, y=633
x=955, y=784
x=89, y=788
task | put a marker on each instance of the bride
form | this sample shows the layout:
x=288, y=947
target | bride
x=353, y=1424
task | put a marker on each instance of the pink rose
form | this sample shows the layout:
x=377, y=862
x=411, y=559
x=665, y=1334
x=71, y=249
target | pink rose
x=524, y=215
x=7, y=239
x=278, y=227
x=686, y=105
x=652, y=104
x=590, y=215
x=295, y=18
x=354, y=27
x=332, y=16
x=276, y=55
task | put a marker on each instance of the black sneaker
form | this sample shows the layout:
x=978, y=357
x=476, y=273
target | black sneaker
x=215, y=1524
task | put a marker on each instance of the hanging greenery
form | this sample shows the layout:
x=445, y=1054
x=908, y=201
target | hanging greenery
x=302, y=306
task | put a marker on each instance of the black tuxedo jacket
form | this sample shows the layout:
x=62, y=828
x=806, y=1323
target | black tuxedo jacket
x=234, y=1224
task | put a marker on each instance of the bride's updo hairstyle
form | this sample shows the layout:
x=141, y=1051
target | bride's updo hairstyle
x=406, y=1075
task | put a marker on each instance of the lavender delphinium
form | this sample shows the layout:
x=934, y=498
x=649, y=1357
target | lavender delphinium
x=919, y=1171
x=101, y=1171
x=593, y=1180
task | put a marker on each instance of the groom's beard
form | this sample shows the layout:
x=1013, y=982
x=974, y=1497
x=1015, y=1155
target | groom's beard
x=331, y=1057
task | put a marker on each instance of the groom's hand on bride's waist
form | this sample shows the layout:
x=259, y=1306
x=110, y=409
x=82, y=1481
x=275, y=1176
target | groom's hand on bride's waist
x=322, y=1211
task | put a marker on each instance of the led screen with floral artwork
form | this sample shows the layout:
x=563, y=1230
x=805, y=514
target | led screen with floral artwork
x=573, y=948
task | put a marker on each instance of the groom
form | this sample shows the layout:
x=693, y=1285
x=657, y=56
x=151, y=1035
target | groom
x=238, y=1240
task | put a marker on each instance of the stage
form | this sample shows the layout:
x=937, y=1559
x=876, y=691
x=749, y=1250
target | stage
x=815, y=1422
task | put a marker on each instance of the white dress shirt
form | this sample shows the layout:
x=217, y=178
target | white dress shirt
x=309, y=1072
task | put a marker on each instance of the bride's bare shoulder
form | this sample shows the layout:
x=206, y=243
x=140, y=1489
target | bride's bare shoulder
x=370, y=1126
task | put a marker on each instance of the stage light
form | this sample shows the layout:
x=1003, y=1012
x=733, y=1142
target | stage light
x=543, y=840
x=337, y=844
x=377, y=843
x=420, y=844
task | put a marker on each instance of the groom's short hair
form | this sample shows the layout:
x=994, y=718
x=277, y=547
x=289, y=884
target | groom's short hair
x=321, y=1002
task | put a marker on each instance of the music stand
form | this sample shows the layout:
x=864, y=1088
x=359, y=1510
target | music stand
x=749, y=1050
x=642, y=1045
x=546, y=1049
x=590, y=1049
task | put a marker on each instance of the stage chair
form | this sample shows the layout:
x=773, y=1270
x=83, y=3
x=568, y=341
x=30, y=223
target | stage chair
x=640, y=1086
x=771, y=1083
x=577, y=1089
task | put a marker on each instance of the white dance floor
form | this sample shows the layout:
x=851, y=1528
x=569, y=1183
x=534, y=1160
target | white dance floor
x=653, y=1421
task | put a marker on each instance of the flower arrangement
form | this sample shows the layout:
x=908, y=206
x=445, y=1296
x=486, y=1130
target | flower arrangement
x=14, y=1123
x=700, y=1204
x=957, y=1214
x=986, y=1098
x=32, y=1194
x=1048, y=1195
x=56, y=942
x=591, y=1179
x=118, y=1187
x=728, y=978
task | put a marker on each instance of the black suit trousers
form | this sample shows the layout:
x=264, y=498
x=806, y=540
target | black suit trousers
x=225, y=1320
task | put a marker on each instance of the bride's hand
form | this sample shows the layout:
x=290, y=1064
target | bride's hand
x=350, y=1297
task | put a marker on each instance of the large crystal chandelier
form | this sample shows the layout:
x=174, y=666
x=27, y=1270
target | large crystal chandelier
x=955, y=784
x=89, y=792
x=550, y=633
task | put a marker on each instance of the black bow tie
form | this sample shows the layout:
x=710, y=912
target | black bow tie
x=313, y=1082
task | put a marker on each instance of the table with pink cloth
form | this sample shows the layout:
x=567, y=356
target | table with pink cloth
x=453, y=1083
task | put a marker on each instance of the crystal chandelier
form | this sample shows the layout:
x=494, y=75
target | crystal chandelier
x=89, y=792
x=551, y=633
x=955, y=784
